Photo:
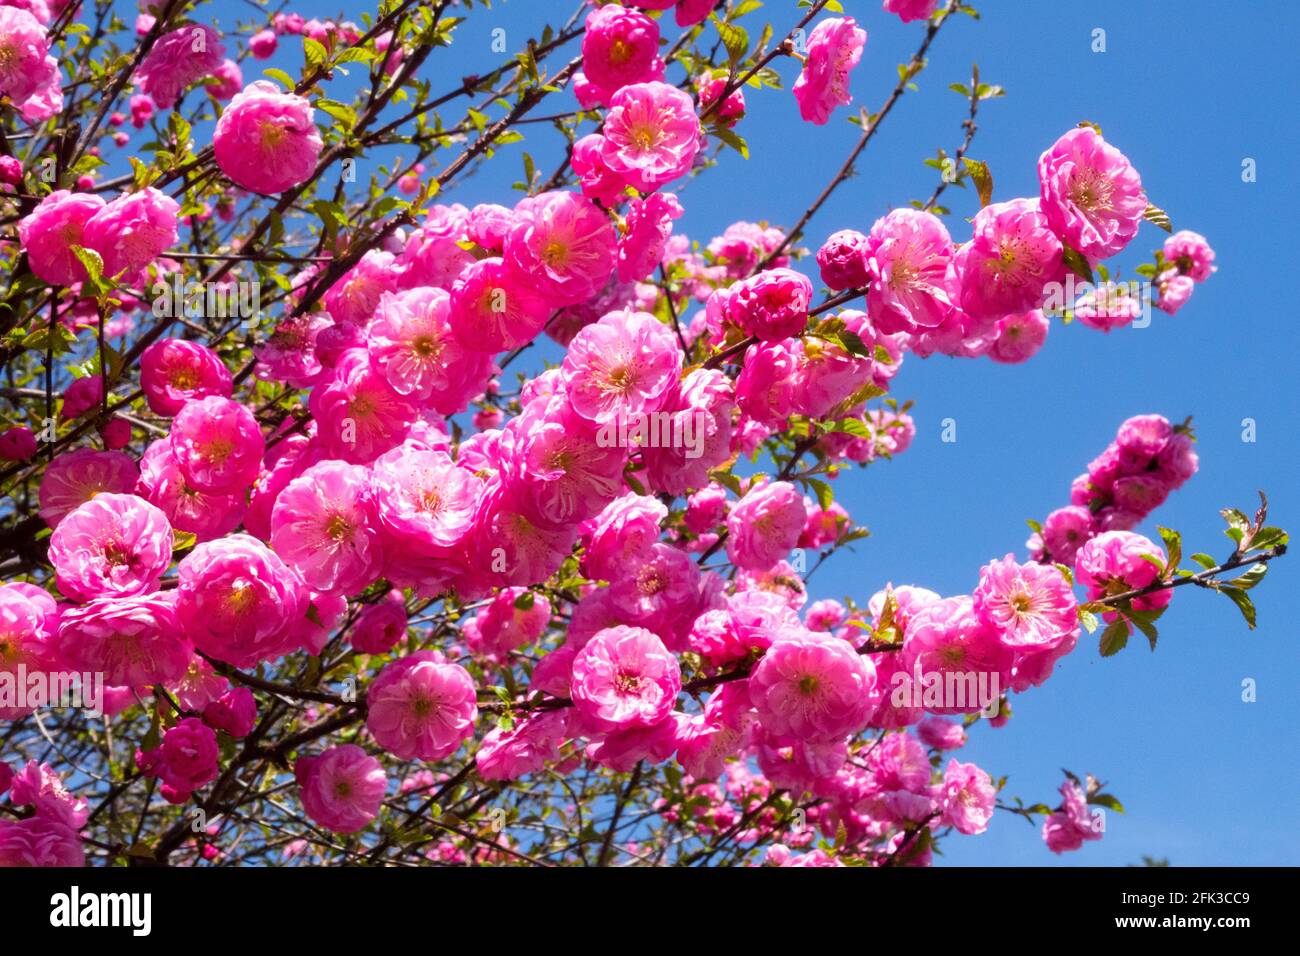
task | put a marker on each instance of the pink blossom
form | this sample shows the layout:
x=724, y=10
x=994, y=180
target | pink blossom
x=173, y=371
x=81, y=396
x=619, y=47
x=625, y=678
x=765, y=524
x=560, y=467
x=767, y=387
x=262, y=44
x=909, y=253
x=1065, y=531
x=564, y=244
x=743, y=244
x=594, y=176
x=426, y=506
x=512, y=619
x=1019, y=337
x=494, y=308
x=239, y=601
x=411, y=341
x=1030, y=605
x=39, y=841
x=956, y=654
x=708, y=87
x=432, y=255
x=842, y=260
x=623, y=365
x=941, y=733
x=188, y=758
x=968, y=798
x=49, y=232
x=622, y=750
x=358, y=413
x=909, y=10
x=132, y=231
x=1009, y=261
x=341, y=790
x=177, y=60
x=229, y=80
x=1174, y=291
x=234, y=712
x=659, y=592
x=266, y=141
x=488, y=225
x=353, y=298
x=132, y=641
x=289, y=353
x=1072, y=823
x=1107, y=306
x=421, y=708
x=1191, y=253
x=815, y=688
x=514, y=752
x=772, y=305
x=1091, y=195
x=651, y=134
x=204, y=514
x=113, y=545
x=217, y=444
x=17, y=444
x=381, y=625
x=323, y=526
x=649, y=224
x=624, y=532
x=834, y=49
x=701, y=412
x=1113, y=562
x=29, y=75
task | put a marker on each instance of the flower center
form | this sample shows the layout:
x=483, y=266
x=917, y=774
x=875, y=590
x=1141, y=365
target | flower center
x=556, y=253
x=338, y=528
x=272, y=135
x=184, y=378
x=620, y=51
x=116, y=556
x=424, y=346
x=627, y=682
x=808, y=685
x=644, y=137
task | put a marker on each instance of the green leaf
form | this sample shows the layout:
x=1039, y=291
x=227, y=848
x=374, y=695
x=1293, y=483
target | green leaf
x=314, y=53
x=1244, y=604
x=734, y=38
x=281, y=77
x=1144, y=622
x=1252, y=577
x=825, y=497
x=1204, y=560
x=849, y=426
x=1077, y=263
x=1173, y=544
x=1266, y=538
x=1158, y=217
x=732, y=139
x=983, y=179
x=525, y=601
x=345, y=114
x=1107, y=801
x=1114, y=637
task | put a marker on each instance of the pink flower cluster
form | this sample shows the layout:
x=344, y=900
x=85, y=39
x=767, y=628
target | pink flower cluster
x=1149, y=459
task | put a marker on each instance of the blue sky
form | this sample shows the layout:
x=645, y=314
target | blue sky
x=1187, y=95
